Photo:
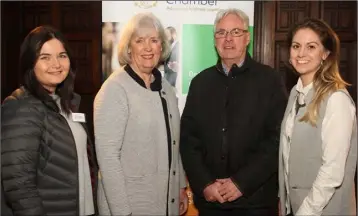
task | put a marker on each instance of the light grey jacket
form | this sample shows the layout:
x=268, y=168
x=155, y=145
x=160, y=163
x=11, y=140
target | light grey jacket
x=306, y=158
x=132, y=148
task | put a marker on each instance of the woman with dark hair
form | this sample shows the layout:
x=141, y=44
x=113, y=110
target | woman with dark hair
x=47, y=156
x=318, y=147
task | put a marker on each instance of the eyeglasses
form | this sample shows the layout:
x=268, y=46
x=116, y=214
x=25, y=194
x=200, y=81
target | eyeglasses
x=236, y=32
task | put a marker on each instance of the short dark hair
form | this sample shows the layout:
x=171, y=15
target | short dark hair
x=29, y=54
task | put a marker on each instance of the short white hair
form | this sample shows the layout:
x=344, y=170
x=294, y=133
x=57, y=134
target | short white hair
x=135, y=26
x=224, y=12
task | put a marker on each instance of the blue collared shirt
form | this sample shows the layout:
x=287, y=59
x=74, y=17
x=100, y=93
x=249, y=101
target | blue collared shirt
x=227, y=71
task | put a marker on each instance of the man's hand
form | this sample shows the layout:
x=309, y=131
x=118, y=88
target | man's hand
x=211, y=193
x=228, y=190
x=183, y=205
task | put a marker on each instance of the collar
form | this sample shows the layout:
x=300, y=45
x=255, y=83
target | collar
x=235, y=69
x=303, y=90
x=227, y=71
x=49, y=101
x=156, y=85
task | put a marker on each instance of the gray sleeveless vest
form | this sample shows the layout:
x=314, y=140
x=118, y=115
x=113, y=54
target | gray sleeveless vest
x=306, y=158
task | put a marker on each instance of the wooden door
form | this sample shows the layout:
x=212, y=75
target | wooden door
x=274, y=18
x=80, y=21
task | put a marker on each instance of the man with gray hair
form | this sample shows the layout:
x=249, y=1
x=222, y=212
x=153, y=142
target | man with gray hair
x=230, y=127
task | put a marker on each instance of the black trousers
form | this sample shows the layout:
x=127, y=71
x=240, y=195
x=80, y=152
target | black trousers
x=239, y=212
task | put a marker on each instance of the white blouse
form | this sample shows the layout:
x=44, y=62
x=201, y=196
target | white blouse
x=337, y=128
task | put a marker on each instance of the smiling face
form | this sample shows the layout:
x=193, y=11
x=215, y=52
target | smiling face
x=52, y=65
x=307, y=53
x=145, y=50
x=232, y=49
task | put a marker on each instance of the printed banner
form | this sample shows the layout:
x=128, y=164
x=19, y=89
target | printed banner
x=193, y=22
x=189, y=26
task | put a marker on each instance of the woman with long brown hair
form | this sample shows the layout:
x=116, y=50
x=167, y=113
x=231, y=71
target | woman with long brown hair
x=47, y=156
x=318, y=148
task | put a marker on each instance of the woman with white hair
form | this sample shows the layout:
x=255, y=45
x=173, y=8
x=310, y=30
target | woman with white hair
x=136, y=123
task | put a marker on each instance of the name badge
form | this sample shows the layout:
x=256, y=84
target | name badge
x=78, y=117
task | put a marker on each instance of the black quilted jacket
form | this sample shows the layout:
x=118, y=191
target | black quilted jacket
x=39, y=160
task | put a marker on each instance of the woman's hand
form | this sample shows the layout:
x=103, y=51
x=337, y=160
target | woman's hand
x=183, y=205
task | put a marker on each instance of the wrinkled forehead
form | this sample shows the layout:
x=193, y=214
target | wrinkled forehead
x=230, y=21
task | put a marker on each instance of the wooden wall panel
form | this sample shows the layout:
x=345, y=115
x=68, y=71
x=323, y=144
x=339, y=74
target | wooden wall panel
x=34, y=14
x=82, y=52
x=341, y=16
x=80, y=21
x=10, y=47
x=290, y=12
x=77, y=17
x=347, y=66
x=275, y=20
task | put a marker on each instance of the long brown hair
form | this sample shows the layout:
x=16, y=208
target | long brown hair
x=327, y=79
x=29, y=53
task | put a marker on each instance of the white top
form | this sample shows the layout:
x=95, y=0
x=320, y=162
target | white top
x=335, y=131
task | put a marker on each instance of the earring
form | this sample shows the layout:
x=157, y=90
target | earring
x=321, y=62
x=290, y=61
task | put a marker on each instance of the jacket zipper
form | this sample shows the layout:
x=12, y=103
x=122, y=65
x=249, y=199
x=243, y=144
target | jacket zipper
x=77, y=187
